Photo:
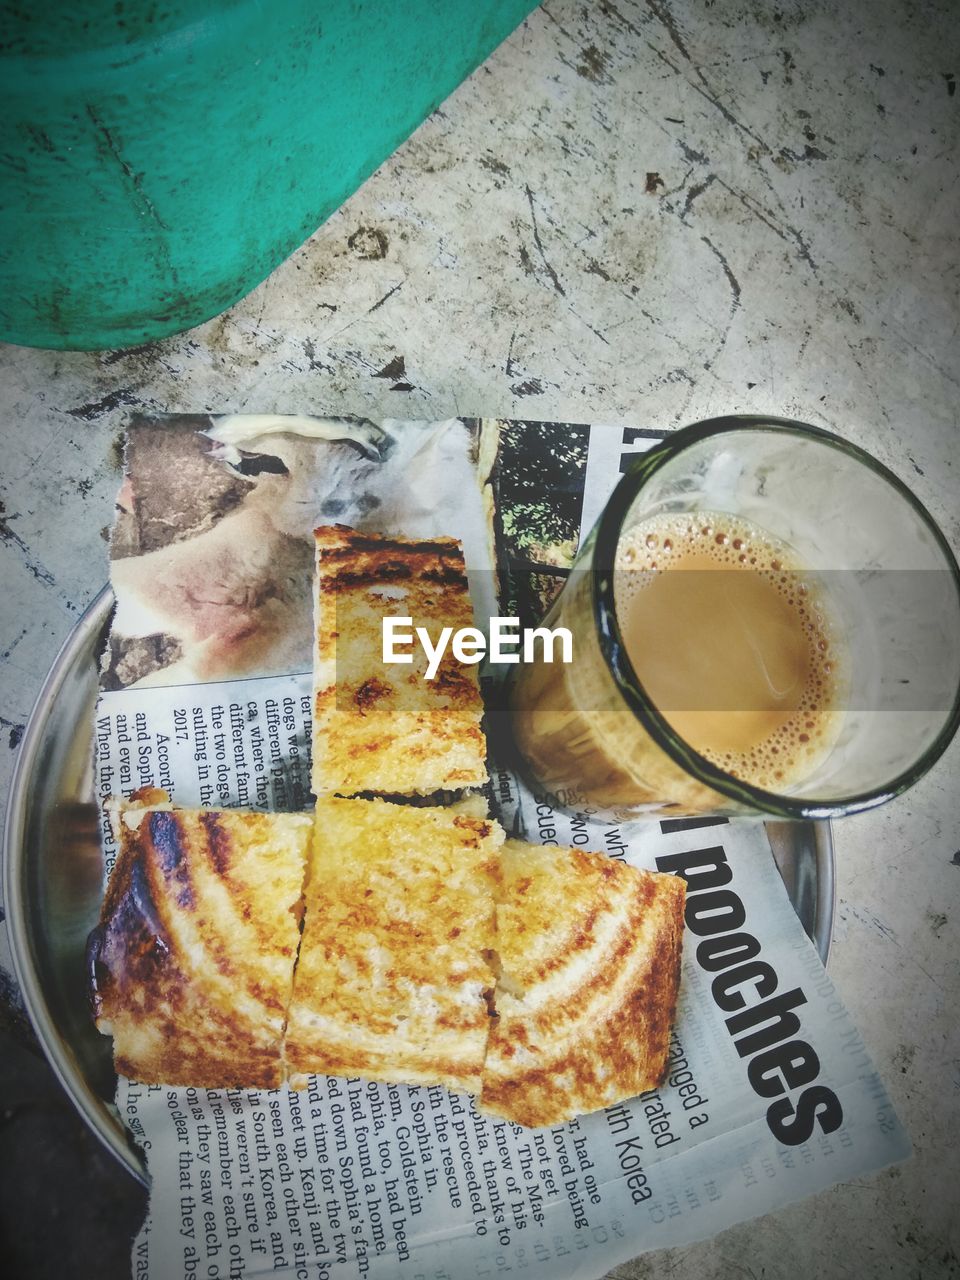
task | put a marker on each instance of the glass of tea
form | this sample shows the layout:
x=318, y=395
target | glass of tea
x=764, y=620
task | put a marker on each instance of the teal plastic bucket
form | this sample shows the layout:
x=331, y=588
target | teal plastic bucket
x=160, y=159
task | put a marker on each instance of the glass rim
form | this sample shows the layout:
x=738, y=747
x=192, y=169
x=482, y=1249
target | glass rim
x=606, y=539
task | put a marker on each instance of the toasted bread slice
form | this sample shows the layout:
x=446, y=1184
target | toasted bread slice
x=192, y=963
x=392, y=981
x=386, y=728
x=589, y=953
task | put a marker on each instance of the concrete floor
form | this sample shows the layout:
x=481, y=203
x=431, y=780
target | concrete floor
x=646, y=213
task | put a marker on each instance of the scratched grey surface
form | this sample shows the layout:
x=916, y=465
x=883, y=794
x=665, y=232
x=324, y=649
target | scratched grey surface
x=645, y=213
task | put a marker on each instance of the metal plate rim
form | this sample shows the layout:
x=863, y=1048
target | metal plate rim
x=91, y=1106
x=94, y=1109
x=826, y=888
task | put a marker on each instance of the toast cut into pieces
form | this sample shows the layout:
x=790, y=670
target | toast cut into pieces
x=589, y=953
x=191, y=966
x=384, y=727
x=393, y=980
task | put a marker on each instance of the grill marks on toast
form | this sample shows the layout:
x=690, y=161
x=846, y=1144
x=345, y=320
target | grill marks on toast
x=414, y=949
x=192, y=961
x=351, y=542
x=590, y=954
x=167, y=841
x=385, y=728
x=219, y=842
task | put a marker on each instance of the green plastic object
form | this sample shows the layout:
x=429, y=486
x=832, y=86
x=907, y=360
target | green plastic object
x=158, y=158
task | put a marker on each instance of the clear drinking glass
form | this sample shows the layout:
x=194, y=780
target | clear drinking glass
x=590, y=734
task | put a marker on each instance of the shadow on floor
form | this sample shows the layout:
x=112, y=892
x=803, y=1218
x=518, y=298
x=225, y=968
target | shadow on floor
x=67, y=1208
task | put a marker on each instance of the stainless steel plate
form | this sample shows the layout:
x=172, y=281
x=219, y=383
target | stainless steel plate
x=53, y=878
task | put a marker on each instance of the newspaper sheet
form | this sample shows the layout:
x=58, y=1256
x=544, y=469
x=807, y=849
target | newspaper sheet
x=770, y=1094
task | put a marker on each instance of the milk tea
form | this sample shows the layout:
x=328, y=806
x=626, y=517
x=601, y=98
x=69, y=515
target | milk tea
x=733, y=641
x=729, y=637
